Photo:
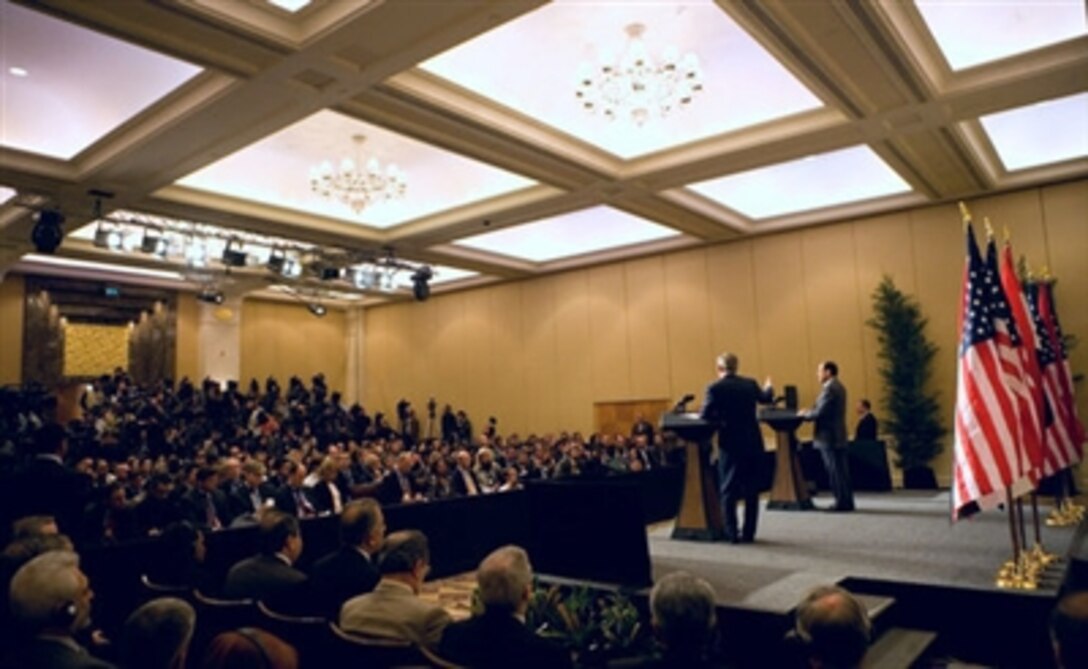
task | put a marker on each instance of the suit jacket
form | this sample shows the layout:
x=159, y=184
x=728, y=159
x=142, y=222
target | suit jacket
x=285, y=501
x=266, y=578
x=241, y=502
x=394, y=611
x=338, y=577
x=460, y=488
x=48, y=653
x=389, y=489
x=196, y=510
x=496, y=640
x=829, y=413
x=730, y=403
x=47, y=487
x=866, y=428
x=321, y=497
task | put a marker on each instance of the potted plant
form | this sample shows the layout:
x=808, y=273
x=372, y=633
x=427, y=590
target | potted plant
x=596, y=625
x=906, y=357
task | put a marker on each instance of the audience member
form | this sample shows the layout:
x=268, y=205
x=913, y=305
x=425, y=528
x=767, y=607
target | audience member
x=157, y=635
x=292, y=498
x=350, y=571
x=393, y=609
x=834, y=628
x=1069, y=631
x=50, y=602
x=499, y=638
x=249, y=648
x=181, y=562
x=34, y=526
x=46, y=486
x=464, y=478
x=682, y=609
x=269, y=576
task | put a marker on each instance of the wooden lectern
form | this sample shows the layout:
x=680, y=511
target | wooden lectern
x=700, y=516
x=789, y=491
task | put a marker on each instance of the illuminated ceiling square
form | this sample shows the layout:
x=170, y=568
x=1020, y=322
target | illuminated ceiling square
x=577, y=233
x=64, y=87
x=1040, y=134
x=537, y=73
x=276, y=171
x=813, y=182
x=972, y=32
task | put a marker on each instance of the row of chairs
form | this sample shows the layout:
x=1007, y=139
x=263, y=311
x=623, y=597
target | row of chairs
x=319, y=642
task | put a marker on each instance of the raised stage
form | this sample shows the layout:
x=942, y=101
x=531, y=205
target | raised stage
x=899, y=548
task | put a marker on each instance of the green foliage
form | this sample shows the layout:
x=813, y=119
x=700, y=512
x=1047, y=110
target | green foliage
x=906, y=356
x=594, y=624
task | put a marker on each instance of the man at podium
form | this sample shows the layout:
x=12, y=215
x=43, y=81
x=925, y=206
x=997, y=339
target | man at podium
x=730, y=405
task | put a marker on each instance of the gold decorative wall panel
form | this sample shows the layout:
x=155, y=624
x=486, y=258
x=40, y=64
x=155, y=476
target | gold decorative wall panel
x=93, y=350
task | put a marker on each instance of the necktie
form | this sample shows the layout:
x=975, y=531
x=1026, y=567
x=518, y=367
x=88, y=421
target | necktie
x=470, y=482
x=304, y=508
x=209, y=510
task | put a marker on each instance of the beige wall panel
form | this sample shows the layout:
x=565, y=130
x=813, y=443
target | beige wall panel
x=187, y=352
x=647, y=334
x=882, y=246
x=11, y=333
x=1021, y=214
x=284, y=340
x=1065, y=208
x=939, y=250
x=780, y=307
x=688, y=317
x=446, y=365
x=608, y=336
x=734, y=319
x=832, y=305
x=542, y=375
x=503, y=354
x=573, y=351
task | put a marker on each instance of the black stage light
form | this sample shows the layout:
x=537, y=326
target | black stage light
x=47, y=233
x=233, y=257
x=153, y=242
x=276, y=259
x=210, y=296
x=317, y=309
x=329, y=273
x=421, y=287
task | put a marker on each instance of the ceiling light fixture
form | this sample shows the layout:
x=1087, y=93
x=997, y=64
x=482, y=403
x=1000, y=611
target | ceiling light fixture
x=18, y=72
x=358, y=184
x=639, y=86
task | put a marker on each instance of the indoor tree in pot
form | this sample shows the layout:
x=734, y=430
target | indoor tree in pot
x=906, y=358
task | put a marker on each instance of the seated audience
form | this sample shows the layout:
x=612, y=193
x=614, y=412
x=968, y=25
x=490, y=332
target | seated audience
x=157, y=509
x=1069, y=631
x=291, y=498
x=393, y=609
x=249, y=496
x=834, y=628
x=157, y=635
x=33, y=526
x=499, y=638
x=249, y=648
x=269, y=576
x=465, y=482
x=682, y=609
x=50, y=601
x=325, y=493
x=181, y=561
x=206, y=505
x=350, y=571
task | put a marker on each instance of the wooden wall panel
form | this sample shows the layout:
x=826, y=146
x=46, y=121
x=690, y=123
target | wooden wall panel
x=542, y=374
x=187, y=360
x=284, y=340
x=573, y=350
x=504, y=357
x=780, y=314
x=735, y=325
x=11, y=334
x=688, y=327
x=647, y=335
x=608, y=335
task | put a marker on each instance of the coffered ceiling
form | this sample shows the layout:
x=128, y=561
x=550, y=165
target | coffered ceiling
x=215, y=112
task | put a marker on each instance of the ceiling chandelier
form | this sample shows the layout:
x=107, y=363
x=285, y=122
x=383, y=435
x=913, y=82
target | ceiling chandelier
x=358, y=184
x=637, y=85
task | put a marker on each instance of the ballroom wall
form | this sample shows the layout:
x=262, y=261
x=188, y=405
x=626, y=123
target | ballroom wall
x=284, y=339
x=11, y=329
x=539, y=353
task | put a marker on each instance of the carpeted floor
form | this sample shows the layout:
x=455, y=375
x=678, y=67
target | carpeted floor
x=900, y=536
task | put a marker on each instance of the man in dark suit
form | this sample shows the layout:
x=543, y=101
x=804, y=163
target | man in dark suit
x=349, y=571
x=730, y=404
x=206, y=505
x=499, y=638
x=50, y=601
x=45, y=486
x=250, y=496
x=291, y=498
x=829, y=434
x=867, y=426
x=269, y=576
x=465, y=483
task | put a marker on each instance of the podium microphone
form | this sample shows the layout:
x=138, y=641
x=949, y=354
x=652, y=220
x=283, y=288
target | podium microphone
x=682, y=405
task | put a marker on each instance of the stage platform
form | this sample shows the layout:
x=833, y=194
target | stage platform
x=900, y=551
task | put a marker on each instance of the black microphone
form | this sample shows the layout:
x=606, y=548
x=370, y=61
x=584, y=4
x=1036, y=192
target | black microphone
x=682, y=405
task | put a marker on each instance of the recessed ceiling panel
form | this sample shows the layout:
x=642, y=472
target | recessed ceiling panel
x=577, y=233
x=971, y=32
x=814, y=182
x=276, y=171
x=62, y=87
x=537, y=73
x=1043, y=133
x=6, y=193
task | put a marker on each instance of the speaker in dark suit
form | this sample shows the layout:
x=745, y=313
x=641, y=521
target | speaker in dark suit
x=829, y=434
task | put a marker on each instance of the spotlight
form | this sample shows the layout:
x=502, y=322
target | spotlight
x=47, y=233
x=292, y=268
x=386, y=281
x=153, y=242
x=317, y=309
x=421, y=287
x=364, y=278
x=211, y=296
x=107, y=237
x=328, y=273
x=197, y=253
x=232, y=255
x=276, y=261
x=130, y=240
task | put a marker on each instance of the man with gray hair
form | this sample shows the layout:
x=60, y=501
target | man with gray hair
x=50, y=601
x=683, y=610
x=834, y=628
x=157, y=635
x=499, y=637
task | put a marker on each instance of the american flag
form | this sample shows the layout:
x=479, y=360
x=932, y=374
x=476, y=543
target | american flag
x=986, y=459
x=1066, y=431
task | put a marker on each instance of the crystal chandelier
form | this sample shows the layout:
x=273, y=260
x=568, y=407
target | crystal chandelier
x=356, y=184
x=637, y=85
